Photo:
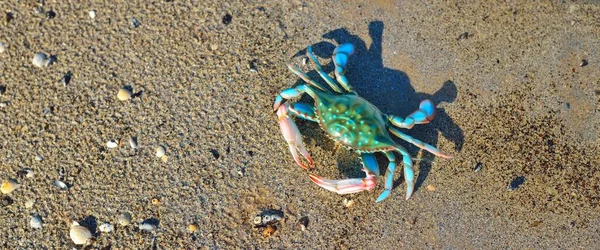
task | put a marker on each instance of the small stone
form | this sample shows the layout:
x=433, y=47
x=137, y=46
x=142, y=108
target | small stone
x=124, y=94
x=2, y=89
x=430, y=188
x=478, y=167
x=302, y=223
x=39, y=158
x=92, y=14
x=348, y=203
x=3, y=104
x=133, y=142
x=227, y=19
x=66, y=78
x=50, y=14
x=583, y=63
x=135, y=23
x=6, y=201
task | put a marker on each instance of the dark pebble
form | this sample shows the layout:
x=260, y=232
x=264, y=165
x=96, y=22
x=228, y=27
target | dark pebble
x=583, y=63
x=50, y=14
x=215, y=153
x=227, y=19
x=478, y=167
x=6, y=201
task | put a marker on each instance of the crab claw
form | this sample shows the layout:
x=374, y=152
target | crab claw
x=347, y=186
x=293, y=137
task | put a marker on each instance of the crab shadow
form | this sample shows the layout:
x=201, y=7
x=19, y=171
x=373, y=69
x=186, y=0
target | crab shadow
x=391, y=91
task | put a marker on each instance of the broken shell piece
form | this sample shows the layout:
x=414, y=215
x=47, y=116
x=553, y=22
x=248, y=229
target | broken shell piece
x=27, y=172
x=92, y=14
x=348, y=203
x=133, y=142
x=257, y=220
x=160, y=151
x=80, y=234
x=112, y=144
x=147, y=226
x=269, y=231
x=35, y=222
x=302, y=223
x=29, y=203
x=2, y=47
x=124, y=94
x=40, y=60
x=106, y=228
x=431, y=188
x=61, y=185
x=125, y=219
x=9, y=186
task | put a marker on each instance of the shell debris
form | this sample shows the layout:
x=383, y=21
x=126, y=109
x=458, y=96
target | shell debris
x=193, y=227
x=80, y=235
x=112, y=144
x=302, y=223
x=41, y=60
x=106, y=228
x=269, y=231
x=125, y=219
x=431, y=188
x=124, y=94
x=29, y=203
x=92, y=14
x=35, y=222
x=147, y=226
x=2, y=47
x=160, y=151
x=348, y=203
x=9, y=185
x=61, y=185
x=133, y=142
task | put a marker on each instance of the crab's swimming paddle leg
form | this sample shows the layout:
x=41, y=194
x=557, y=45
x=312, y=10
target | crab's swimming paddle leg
x=319, y=68
x=423, y=115
x=389, y=177
x=340, y=59
x=293, y=137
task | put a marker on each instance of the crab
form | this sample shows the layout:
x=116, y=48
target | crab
x=353, y=122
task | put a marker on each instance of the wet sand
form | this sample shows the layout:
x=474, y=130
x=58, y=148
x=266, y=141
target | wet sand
x=506, y=79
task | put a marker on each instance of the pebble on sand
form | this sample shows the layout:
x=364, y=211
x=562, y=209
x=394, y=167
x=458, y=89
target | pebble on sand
x=125, y=219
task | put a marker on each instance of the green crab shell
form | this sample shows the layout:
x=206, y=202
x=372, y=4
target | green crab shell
x=353, y=121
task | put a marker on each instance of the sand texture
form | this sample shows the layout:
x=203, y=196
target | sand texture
x=516, y=85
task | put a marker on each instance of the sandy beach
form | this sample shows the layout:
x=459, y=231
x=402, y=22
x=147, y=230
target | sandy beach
x=516, y=85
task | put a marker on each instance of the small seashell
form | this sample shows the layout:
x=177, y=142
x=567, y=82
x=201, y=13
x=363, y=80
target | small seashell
x=160, y=151
x=147, y=226
x=112, y=144
x=80, y=234
x=124, y=94
x=193, y=227
x=61, y=185
x=40, y=60
x=9, y=186
x=39, y=158
x=29, y=203
x=155, y=201
x=257, y=220
x=35, y=222
x=302, y=223
x=164, y=158
x=133, y=142
x=125, y=219
x=2, y=47
x=92, y=14
x=348, y=203
x=106, y=228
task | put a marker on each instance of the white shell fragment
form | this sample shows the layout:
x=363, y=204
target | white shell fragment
x=40, y=60
x=60, y=185
x=9, y=185
x=146, y=226
x=125, y=219
x=80, y=234
x=35, y=222
x=106, y=228
x=92, y=14
x=2, y=47
x=29, y=203
x=160, y=151
x=124, y=94
x=112, y=144
x=133, y=142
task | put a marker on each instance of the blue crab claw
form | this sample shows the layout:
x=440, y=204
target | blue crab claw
x=293, y=137
x=347, y=186
x=423, y=115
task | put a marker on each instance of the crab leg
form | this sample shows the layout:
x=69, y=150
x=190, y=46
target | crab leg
x=409, y=174
x=347, y=186
x=304, y=76
x=423, y=115
x=419, y=144
x=293, y=93
x=340, y=59
x=303, y=111
x=293, y=137
x=319, y=68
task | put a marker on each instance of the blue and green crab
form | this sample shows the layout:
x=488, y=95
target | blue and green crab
x=352, y=122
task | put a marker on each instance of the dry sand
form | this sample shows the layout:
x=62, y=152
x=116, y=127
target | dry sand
x=505, y=78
